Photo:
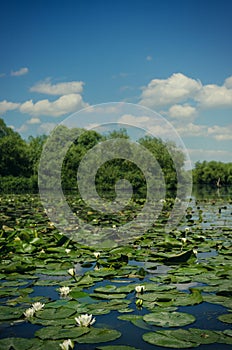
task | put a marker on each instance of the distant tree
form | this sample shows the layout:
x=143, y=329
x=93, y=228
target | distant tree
x=213, y=173
x=14, y=155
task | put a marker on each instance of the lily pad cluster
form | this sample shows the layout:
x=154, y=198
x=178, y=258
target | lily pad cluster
x=79, y=295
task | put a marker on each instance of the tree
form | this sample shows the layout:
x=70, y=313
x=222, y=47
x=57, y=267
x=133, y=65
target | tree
x=14, y=156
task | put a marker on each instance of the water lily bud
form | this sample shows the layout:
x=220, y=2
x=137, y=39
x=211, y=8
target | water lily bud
x=67, y=344
x=139, y=302
x=71, y=272
x=97, y=254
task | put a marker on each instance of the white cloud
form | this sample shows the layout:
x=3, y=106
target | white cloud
x=220, y=133
x=8, y=106
x=133, y=120
x=178, y=89
x=21, y=71
x=34, y=121
x=66, y=88
x=214, y=96
x=191, y=129
x=214, y=154
x=182, y=112
x=228, y=83
x=22, y=128
x=46, y=128
x=63, y=105
x=163, y=92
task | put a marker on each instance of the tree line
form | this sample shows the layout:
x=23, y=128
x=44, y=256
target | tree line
x=19, y=162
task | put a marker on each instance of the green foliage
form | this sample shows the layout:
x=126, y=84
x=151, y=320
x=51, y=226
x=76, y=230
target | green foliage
x=14, y=153
x=213, y=173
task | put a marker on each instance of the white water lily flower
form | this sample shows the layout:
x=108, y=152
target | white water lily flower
x=29, y=312
x=67, y=344
x=187, y=229
x=184, y=240
x=64, y=290
x=85, y=320
x=67, y=250
x=162, y=201
x=195, y=252
x=140, y=289
x=72, y=272
x=37, y=306
x=97, y=254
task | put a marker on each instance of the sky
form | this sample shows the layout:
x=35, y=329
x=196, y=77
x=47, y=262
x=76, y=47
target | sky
x=171, y=56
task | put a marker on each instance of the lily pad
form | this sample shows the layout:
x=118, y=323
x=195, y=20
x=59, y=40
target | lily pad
x=169, y=319
x=227, y=318
x=99, y=335
x=19, y=344
x=116, y=347
x=54, y=332
x=167, y=339
x=10, y=313
x=53, y=314
x=108, y=296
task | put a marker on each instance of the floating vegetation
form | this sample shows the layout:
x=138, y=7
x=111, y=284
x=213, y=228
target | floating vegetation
x=56, y=293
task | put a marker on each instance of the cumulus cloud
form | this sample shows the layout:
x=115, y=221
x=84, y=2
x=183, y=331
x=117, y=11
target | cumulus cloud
x=182, y=112
x=66, y=88
x=215, y=96
x=63, y=105
x=191, y=129
x=133, y=120
x=228, y=83
x=163, y=92
x=179, y=89
x=7, y=106
x=220, y=133
x=21, y=71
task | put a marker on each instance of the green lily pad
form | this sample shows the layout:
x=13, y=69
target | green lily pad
x=19, y=344
x=10, y=313
x=77, y=294
x=53, y=314
x=48, y=344
x=130, y=317
x=106, y=289
x=227, y=318
x=116, y=347
x=108, y=296
x=185, y=299
x=169, y=319
x=54, y=332
x=204, y=336
x=99, y=335
x=167, y=339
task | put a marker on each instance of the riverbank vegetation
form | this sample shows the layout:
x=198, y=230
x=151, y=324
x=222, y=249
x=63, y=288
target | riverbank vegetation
x=19, y=161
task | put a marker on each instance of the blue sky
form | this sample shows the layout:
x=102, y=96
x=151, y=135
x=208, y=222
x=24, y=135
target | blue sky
x=174, y=57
